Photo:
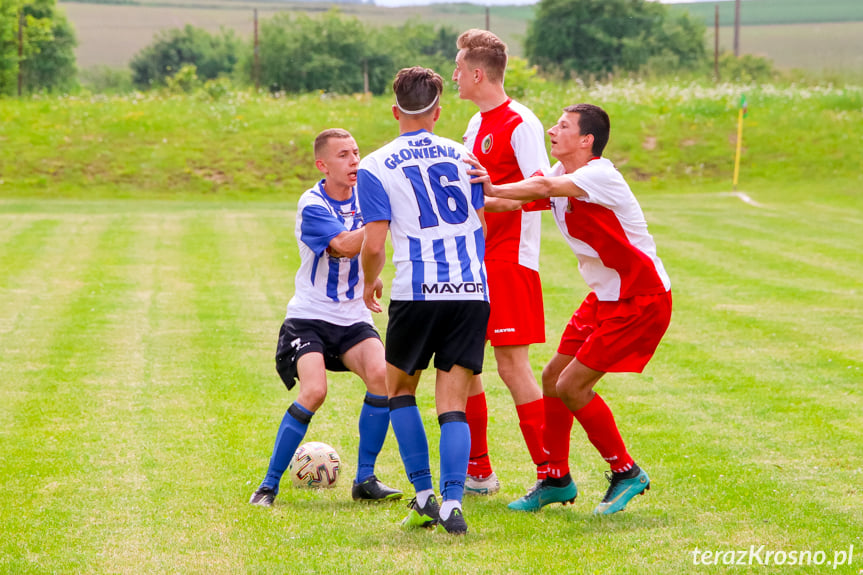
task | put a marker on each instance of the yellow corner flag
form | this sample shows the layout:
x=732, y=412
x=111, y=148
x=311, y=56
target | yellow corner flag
x=741, y=113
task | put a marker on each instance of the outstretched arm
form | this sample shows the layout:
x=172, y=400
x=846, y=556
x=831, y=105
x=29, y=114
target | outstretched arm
x=534, y=188
x=372, y=258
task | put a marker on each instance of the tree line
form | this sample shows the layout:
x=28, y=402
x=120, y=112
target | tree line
x=336, y=53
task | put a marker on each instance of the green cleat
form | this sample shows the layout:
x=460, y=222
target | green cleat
x=425, y=517
x=543, y=494
x=622, y=489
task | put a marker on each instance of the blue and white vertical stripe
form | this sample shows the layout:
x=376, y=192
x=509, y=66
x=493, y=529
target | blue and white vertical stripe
x=418, y=183
x=327, y=288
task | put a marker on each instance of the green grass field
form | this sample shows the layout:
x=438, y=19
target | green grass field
x=139, y=401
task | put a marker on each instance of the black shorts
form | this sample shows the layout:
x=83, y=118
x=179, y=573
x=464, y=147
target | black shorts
x=452, y=331
x=298, y=337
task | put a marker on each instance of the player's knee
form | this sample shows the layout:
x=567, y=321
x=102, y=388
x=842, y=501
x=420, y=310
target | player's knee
x=313, y=397
x=376, y=379
x=549, y=382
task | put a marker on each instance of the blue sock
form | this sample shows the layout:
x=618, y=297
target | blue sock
x=454, y=454
x=411, y=436
x=374, y=422
x=291, y=432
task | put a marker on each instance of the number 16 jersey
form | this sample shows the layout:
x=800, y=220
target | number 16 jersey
x=419, y=184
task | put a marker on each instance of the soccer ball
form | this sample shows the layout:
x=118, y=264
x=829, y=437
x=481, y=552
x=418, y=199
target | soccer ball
x=315, y=464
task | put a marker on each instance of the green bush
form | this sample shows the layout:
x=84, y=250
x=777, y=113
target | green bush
x=335, y=53
x=745, y=69
x=106, y=80
x=213, y=55
x=595, y=37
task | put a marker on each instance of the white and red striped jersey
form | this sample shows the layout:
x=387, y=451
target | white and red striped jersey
x=608, y=233
x=509, y=141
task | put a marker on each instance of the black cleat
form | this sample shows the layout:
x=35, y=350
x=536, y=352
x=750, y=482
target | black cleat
x=264, y=497
x=455, y=524
x=424, y=517
x=373, y=490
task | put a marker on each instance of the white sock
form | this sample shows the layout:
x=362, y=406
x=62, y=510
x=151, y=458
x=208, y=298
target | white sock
x=423, y=496
x=447, y=507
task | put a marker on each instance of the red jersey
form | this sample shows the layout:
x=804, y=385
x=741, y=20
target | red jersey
x=509, y=142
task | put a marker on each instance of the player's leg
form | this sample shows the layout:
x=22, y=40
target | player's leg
x=558, y=486
x=366, y=359
x=413, y=445
x=627, y=480
x=513, y=366
x=458, y=357
x=624, y=337
x=451, y=397
x=313, y=390
x=481, y=478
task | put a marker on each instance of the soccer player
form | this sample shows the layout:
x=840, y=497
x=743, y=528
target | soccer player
x=509, y=140
x=417, y=187
x=328, y=326
x=619, y=324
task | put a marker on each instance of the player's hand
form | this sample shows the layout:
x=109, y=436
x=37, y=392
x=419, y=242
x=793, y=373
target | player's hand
x=334, y=253
x=479, y=173
x=372, y=292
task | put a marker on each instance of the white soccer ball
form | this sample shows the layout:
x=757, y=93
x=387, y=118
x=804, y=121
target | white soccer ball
x=315, y=464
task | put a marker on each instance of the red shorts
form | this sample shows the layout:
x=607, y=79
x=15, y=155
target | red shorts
x=617, y=335
x=515, y=294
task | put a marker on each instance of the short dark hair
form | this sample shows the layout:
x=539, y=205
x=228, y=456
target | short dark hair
x=484, y=49
x=592, y=120
x=416, y=89
x=322, y=139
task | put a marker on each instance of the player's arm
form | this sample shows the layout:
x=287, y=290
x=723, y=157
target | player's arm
x=372, y=258
x=535, y=188
x=346, y=244
x=501, y=205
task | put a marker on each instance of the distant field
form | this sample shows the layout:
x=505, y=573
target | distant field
x=112, y=34
x=762, y=12
x=827, y=47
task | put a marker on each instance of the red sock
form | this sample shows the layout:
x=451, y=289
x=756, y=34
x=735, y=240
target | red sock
x=477, y=419
x=531, y=417
x=555, y=435
x=597, y=420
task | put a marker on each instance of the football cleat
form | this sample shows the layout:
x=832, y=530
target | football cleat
x=621, y=489
x=542, y=494
x=264, y=497
x=482, y=485
x=454, y=524
x=426, y=516
x=373, y=490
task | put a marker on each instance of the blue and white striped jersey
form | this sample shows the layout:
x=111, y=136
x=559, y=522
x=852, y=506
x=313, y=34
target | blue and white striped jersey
x=418, y=182
x=327, y=288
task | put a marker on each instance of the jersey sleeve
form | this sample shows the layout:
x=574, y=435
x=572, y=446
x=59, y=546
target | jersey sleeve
x=528, y=143
x=318, y=228
x=374, y=201
x=604, y=186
